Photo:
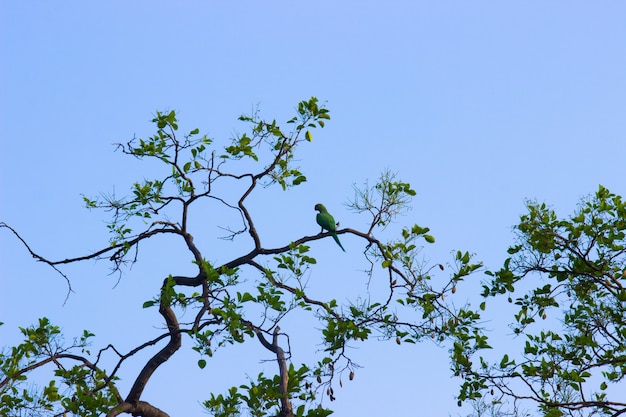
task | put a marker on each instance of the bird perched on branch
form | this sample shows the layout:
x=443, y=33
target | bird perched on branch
x=327, y=222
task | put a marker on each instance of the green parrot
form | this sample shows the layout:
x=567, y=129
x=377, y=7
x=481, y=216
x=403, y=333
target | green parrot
x=327, y=222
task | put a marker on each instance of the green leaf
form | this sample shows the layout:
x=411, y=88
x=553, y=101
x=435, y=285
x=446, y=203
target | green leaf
x=201, y=363
x=504, y=361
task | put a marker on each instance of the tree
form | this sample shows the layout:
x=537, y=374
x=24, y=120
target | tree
x=248, y=298
x=572, y=325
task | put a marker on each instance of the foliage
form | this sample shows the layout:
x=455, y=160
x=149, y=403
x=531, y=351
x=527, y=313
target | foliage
x=571, y=315
x=245, y=299
x=89, y=391
x=564, y=280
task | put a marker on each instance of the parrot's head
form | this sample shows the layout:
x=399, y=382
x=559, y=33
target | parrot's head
x=320, y=207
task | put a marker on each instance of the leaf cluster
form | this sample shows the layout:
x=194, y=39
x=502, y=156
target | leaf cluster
x=581, y=264
x=82, y=389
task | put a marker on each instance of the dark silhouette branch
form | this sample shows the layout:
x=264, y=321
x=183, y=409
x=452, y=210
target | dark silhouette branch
x=140, y=408
x=286, y=409
x=162, y=356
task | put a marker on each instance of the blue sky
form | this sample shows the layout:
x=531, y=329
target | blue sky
x=479, y=105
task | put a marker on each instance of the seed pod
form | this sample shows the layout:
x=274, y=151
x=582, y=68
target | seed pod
x=454, y=289
x=351, y=375
x=319, y=379
x=398, y=341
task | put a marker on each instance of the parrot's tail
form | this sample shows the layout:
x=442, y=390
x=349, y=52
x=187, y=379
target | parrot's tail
x=338, y=242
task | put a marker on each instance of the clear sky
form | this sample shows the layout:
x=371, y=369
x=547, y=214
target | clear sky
x=479, y=105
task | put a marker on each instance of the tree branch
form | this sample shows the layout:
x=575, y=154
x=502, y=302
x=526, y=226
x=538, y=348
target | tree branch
x=162, y=356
